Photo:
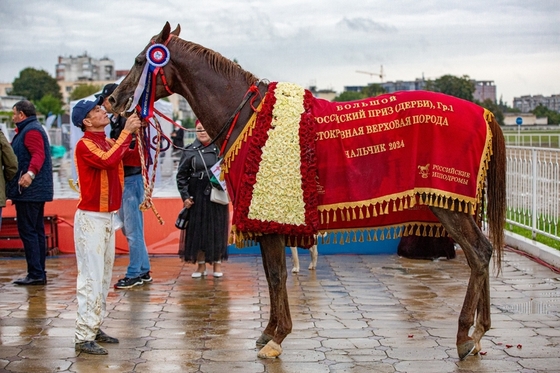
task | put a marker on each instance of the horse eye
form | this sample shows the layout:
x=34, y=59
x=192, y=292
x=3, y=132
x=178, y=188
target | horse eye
x=140, y=59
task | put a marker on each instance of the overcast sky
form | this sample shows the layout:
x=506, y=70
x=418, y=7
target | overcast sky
x=515, y=43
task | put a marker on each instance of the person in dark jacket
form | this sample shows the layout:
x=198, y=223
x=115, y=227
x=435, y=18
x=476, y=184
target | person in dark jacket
x=8, y=166
x=177, y=138
x=31, y=188
x=205, y=239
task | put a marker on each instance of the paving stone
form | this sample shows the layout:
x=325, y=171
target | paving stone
x=38, y=366
x=489, y=365
x=47, y=353
x=233, y=367
x=279, y=366
x=3, y=363
x=417, y=341
x=355, y=313
x=413, y=353
x=541, y=364
x=351, y=343
x=102, y=364
x=362, y=367
x=422, y=366
x=171, y=355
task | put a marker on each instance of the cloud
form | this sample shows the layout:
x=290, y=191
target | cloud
x=365, y=25
x=515, y=43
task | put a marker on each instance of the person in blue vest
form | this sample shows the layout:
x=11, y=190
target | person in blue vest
x=30, y=189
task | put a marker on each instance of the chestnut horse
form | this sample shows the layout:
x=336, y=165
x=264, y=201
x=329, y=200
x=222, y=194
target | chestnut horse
x=216, y=88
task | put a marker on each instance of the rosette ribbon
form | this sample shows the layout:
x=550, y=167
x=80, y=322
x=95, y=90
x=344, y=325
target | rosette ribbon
x=157, y=56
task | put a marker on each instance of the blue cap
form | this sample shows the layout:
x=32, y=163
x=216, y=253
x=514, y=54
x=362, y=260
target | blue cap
x=107, y=90
x=82, y=108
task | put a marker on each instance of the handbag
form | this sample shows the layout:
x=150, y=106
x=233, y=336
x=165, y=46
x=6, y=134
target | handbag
x=182, y=219
x=216, y=195
x=219, y=196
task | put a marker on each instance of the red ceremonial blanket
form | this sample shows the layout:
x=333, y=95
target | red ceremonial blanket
x=367, y=168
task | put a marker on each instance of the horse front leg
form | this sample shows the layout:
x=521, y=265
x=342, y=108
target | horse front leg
x=478, y=252
x=268, y=332
x=280, y=321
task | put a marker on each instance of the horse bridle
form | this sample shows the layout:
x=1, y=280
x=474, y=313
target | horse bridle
x=230, y=123
x=163, y=79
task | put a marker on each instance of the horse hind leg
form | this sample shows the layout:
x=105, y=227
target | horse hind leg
x=478, y=251
x=314, y=254
x=483, y=319
x=295, y=260
x=280, y=321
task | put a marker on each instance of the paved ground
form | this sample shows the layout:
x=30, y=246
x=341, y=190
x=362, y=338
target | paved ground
x=366, y=313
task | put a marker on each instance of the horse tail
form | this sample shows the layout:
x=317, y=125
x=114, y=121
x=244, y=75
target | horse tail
x=496, y=192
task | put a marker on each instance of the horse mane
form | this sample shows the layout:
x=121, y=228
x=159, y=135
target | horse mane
x=217, y=62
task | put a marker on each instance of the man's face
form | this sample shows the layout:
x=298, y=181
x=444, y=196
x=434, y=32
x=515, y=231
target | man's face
x=107, y=105
x=17, y=116
x=96, y=119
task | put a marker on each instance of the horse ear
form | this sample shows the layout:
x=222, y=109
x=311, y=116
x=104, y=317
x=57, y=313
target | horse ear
x=177, y=30
x=164, y=34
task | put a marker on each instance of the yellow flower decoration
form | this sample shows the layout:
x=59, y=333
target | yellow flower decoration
x=278, y=193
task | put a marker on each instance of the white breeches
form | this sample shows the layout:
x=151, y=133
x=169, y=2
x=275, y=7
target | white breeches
x=94, y=240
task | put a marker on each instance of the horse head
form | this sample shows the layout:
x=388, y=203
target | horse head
x=213, y=85
x=122, y=98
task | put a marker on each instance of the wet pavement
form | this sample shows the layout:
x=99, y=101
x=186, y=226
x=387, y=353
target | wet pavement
x=355, y=313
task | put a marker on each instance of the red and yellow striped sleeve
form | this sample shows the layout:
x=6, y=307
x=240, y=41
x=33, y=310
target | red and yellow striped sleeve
x=100, y=172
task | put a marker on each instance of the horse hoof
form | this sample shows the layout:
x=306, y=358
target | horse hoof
x=477, y=348
x=270, y=351
x=263, y=340
x=465, y=349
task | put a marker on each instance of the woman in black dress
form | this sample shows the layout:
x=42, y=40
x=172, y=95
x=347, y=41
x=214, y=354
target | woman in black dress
x=205, y=239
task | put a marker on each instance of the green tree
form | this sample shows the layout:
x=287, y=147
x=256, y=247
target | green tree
x=33, y=84
x=188, y=123
x=49, y=105
x=373, y=90
x=495, y=109
x=349, y=96
x=543, y=111
x=451, y=85
x=84, y=90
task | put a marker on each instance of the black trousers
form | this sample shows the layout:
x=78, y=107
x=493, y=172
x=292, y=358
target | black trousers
x=31, y=230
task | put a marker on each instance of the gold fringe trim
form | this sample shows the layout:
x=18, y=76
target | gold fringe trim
x=247, y=132
x=398, y=202
x=344, y=236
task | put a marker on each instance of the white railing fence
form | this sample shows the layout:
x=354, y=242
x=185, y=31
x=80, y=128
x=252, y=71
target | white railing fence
x=538, y=140
x=533, y=189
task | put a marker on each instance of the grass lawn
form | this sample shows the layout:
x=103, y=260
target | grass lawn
x=555, y=244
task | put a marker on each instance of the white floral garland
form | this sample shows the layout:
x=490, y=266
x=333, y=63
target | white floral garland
x=278, y=193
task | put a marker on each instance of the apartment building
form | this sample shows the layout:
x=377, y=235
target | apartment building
x=529, y=103
x=484, y=89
